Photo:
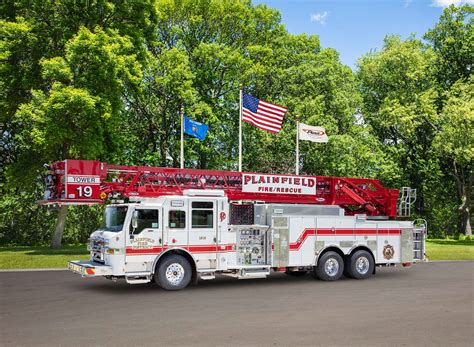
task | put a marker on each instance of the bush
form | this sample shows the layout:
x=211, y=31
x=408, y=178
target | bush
x=469, y=238
x=460, y=237
x=24, y=222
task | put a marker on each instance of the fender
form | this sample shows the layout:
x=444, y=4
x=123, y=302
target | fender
x=325, y=249
x=172, y=250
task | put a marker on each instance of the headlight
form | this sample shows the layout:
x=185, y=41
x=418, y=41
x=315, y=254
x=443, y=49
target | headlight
x=112, y=250
x=90, y=244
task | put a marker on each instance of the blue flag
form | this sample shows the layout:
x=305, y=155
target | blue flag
x=195, y=129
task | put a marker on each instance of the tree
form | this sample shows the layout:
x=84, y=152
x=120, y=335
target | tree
x=34, y=72
x=452, y=39
x=399, y=95
x=77, y=116
x=454, y=143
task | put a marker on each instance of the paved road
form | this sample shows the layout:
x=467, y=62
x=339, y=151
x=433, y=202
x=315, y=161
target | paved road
x=429, y=304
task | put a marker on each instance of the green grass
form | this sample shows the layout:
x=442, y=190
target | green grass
x=40, y=257
x=44, y=257
x=449, y=249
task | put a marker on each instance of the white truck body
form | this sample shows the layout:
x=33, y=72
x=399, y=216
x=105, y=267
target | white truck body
x=263, y=237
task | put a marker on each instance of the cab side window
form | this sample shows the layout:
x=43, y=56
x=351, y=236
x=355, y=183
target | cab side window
x=177, y=219
x=147, y=219
x=202, y=214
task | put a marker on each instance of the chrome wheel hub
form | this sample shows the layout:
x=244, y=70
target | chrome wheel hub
x=362, y=265
x=174, y=274
x=331, y=267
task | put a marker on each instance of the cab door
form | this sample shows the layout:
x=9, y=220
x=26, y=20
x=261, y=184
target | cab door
x=175, y=223
x=203, y=238
x=144, y=239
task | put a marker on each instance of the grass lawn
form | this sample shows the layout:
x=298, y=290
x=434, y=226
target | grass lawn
x=449, y=249
x=40, y=257
x=44, y=257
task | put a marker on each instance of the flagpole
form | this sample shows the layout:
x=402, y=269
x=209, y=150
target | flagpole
x=182, y=136
x=297, y=146
x=240, y=131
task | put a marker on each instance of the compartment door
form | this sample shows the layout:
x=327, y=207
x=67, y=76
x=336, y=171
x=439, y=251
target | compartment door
x=281, y=241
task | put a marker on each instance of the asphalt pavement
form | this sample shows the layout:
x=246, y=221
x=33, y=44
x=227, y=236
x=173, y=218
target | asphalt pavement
x=428, y=304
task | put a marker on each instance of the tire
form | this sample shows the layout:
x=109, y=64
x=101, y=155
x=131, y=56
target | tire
x=330, y=267
x=296, y=273
x=347, y=265
x=361, y=265
x=173, y=272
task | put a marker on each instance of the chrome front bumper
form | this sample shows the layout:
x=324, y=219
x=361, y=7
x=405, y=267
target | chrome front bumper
x=87, y=268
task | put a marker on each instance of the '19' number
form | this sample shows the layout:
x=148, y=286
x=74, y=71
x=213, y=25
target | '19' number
x=85, y=191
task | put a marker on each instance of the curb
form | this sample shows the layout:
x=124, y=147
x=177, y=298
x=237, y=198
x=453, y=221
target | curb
x=446, y=261
x=32, y=270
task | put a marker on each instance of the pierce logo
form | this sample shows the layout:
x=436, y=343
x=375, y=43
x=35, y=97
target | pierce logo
x=314, y=132
x=222, y=216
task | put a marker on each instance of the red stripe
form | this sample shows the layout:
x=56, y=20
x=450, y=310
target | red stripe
x=294, y=246
x=258, y=125
x=192, y=249
x=271, y=110
x=270, y=114
x=276, y=106
x=262, y=119
x=254, y=119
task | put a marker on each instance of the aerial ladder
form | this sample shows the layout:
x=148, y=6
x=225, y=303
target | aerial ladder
x=88, y=182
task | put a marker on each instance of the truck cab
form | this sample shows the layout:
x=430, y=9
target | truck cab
x=136, y=235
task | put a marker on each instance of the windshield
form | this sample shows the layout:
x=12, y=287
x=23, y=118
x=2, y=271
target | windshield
x=114, y=218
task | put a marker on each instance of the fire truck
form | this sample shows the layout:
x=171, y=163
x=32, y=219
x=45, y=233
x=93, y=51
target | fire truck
x=177, y=226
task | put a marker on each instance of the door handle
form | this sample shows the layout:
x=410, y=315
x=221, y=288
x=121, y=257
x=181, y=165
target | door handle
x=159, y=240
x=132, y=237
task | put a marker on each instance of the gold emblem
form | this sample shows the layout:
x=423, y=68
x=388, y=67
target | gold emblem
x=388, y=252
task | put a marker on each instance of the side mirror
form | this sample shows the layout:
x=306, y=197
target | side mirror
x=135, y=219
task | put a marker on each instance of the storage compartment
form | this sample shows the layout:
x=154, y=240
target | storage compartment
x=253, y=245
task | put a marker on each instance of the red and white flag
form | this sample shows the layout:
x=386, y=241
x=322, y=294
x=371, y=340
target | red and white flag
x=262, y=114
x=312, y=133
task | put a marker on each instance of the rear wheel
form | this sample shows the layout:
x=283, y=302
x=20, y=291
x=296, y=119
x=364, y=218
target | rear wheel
x=330, y=267
x=173, y=273
x=361, y=265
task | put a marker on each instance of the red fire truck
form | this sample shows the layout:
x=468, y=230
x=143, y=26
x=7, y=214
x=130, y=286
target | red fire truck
x=176, y=226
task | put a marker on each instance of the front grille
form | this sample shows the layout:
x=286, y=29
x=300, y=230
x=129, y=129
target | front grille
x=97, y=250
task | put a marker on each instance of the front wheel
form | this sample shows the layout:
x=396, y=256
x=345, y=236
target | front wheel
x=330, y=267
x=173, y=273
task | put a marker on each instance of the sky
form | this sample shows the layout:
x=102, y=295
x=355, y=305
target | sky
x=354, y=27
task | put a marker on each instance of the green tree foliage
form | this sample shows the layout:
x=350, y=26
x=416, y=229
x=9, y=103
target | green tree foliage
x=106, y=80
x=398, y=94
x=454, y=142
x=452, y=39
x=418, y=99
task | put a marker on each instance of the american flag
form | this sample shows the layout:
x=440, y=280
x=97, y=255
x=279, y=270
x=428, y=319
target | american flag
x=262, y=114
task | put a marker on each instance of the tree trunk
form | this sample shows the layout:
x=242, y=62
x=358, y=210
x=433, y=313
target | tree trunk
x=465, y=216
x=464, y=190
x=58, y=231
x=467, y=224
